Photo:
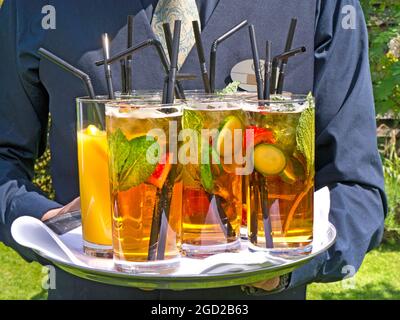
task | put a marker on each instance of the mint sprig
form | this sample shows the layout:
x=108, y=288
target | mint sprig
x=305, y=135
x=129, y=162
x=230, y=88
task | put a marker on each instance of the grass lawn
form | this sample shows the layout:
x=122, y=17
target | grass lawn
x=377, y=278
x=19, y=279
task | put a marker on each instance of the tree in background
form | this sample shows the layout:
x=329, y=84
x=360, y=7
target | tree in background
x=383, y=19
x=42, y=177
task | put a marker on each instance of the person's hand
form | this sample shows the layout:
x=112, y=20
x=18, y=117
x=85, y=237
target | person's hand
x=74, y=205
x=267, y=285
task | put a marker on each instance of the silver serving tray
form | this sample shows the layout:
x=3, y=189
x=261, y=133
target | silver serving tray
x=279, y=262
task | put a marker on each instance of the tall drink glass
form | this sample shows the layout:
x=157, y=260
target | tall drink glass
x=279, y=193
x=146, y=185
x=94, y=177
x=237, y=97
x=212, y=202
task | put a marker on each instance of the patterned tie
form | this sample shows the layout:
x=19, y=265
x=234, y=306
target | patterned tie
x=167, y=11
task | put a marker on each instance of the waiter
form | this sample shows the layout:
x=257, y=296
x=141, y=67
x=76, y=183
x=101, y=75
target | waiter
x=336, y=69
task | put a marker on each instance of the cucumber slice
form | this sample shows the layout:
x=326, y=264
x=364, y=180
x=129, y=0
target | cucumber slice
x=269, y=160
x=227, y=134
x=288, y=175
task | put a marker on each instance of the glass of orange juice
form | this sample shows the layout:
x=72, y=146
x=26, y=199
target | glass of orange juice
x=94, y=177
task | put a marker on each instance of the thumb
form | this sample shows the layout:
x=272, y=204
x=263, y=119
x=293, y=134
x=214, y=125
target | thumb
x=74, y=205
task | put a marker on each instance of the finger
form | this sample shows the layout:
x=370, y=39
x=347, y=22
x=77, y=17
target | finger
x=267, y=285
x=74, y=205
x=51, y=214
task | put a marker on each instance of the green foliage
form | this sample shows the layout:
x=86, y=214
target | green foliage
x=391, y=169
x=42, y=177
x=383, y=20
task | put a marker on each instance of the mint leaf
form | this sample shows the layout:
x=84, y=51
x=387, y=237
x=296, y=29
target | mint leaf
x=119, y=149
x=305, y=135
x=192, y=120
x=230, y=88
x=206, y=176
x=129, y=160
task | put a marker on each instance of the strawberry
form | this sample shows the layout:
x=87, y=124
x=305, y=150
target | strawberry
x=261, y=135
x=161, y=171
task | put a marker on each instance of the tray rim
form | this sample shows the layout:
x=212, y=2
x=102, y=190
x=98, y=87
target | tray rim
x=182, y=282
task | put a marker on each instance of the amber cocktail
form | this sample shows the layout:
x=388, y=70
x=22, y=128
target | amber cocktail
x=212, y=202
x=146, y=185
x=279, y=193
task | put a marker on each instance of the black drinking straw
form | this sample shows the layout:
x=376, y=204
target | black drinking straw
x=267, y=71
x=214, y=48
x=291, y=53
x=288, y=46
x=78, y=73
x=277, y=59
x=124, y=89
x=174, y=62
x=159, y=230
x=274, y=74
x=129, y=83
x=253, y=211
x=226, y=225
x=168, y=41
x=165, y=200
x=256, y=62
x=179, y=76
x=290, y=36
x=269, y=243
x=144, y=44
x=202, y=58
x=73, y=70
x=127, y=52
x=155, y=230
x=165, y=91
x=107, y=67
x=168, y=38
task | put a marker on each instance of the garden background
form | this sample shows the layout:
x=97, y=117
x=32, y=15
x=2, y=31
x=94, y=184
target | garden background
x=378, y=277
